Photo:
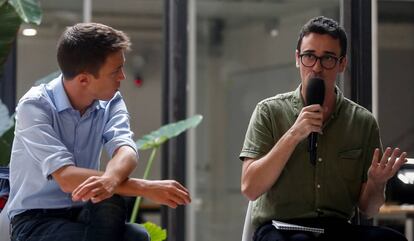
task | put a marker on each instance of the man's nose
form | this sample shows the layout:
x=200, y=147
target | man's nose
x=121, y=75
x=318, y=66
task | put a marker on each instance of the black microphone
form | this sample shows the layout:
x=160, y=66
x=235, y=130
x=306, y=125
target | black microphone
x=315, y=94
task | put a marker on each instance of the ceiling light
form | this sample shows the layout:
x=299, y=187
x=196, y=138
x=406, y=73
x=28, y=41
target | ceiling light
x=29, y=32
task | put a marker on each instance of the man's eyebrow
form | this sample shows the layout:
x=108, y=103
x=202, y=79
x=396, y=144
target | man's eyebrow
x=308, y=51
x=325, y=52
x=330, y=53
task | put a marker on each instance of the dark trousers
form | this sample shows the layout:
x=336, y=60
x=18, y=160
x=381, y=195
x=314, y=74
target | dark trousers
x=335, y=230
x=104, y=221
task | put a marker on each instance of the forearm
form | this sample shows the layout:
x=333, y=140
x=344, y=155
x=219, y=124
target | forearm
x=372, y=198
x=122, y=164
x=133, y=187
x=70, y=177
x=259, y=175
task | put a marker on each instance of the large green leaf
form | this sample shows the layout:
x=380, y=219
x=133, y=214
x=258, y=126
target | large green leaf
x=155, y=232
x=9, y=25
x=156, y=138
x=28, y=10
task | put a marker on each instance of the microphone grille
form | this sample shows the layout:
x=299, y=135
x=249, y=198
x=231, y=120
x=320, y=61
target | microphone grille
x=315, y=91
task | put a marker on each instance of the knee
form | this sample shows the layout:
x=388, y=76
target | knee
x=112, y=210
x=115, y=201
x=386, y=234
x=136, y=232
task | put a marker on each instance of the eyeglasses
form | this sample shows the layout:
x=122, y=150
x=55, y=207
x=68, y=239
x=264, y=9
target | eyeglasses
x=327, y=61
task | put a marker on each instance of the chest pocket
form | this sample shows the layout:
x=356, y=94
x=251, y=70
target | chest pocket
x=351, y=164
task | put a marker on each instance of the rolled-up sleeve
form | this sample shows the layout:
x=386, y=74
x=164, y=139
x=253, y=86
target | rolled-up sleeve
x=36, y=137
x=258, y=140
x=117, y=130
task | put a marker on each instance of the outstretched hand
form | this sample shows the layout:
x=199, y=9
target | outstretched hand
x=166, y=192
x=385, y=167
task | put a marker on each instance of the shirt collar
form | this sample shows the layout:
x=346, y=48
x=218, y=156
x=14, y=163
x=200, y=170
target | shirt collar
x=299, y=103
x=61, y=99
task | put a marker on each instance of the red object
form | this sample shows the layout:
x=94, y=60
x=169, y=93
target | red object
x=138, y=82
x=3, y=201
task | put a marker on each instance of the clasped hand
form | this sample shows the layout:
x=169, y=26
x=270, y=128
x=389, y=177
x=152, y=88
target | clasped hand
x=95, y=189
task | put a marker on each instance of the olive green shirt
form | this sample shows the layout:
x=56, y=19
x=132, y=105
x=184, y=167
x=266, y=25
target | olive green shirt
x=332, y=187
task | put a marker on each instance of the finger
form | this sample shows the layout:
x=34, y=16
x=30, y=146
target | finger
x=86, y=182
x=78, y=195
x=181, y=187
x=182, y=192
x=94, y=193
x=183, y=195
x=101, y=197
x=395, y=153
x=170, y=203
x=313, y=108
x=385, y=157
x=402, y=159
x=316, y=116
x=375, y=158
x=180, y=197
x=391, y=160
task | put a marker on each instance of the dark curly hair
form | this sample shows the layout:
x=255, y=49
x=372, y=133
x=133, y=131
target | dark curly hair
x=324, y=25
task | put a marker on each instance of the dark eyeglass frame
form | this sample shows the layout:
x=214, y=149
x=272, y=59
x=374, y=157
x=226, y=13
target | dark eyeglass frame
x=321, y=59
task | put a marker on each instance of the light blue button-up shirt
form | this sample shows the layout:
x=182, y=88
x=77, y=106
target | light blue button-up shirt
x=51, y=134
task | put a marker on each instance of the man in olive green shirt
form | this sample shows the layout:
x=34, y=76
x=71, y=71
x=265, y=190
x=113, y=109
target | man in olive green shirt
x=350, y=168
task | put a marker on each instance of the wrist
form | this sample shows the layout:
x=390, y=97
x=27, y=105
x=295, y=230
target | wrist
x=140, y=185
x=293, y=137
x=116, y=180
x=375, y=185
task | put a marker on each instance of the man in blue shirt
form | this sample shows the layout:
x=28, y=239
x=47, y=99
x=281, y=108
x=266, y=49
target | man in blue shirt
x=57, y=191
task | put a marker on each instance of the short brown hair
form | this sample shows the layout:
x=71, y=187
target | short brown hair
x=85, y=47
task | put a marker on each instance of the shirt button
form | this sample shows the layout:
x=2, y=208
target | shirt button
x=320, y=159
x=318, y=186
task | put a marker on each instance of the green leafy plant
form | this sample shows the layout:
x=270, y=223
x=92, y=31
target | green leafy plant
x=12, y=14
x=153, y=141
x=155, y=232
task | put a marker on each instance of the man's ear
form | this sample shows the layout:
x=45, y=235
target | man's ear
x=83, y=79
x=342, y=64
x=297, y=58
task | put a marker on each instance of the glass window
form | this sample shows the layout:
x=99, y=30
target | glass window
x=245, y=52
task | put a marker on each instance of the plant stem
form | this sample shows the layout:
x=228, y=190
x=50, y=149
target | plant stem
x=138, y=199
